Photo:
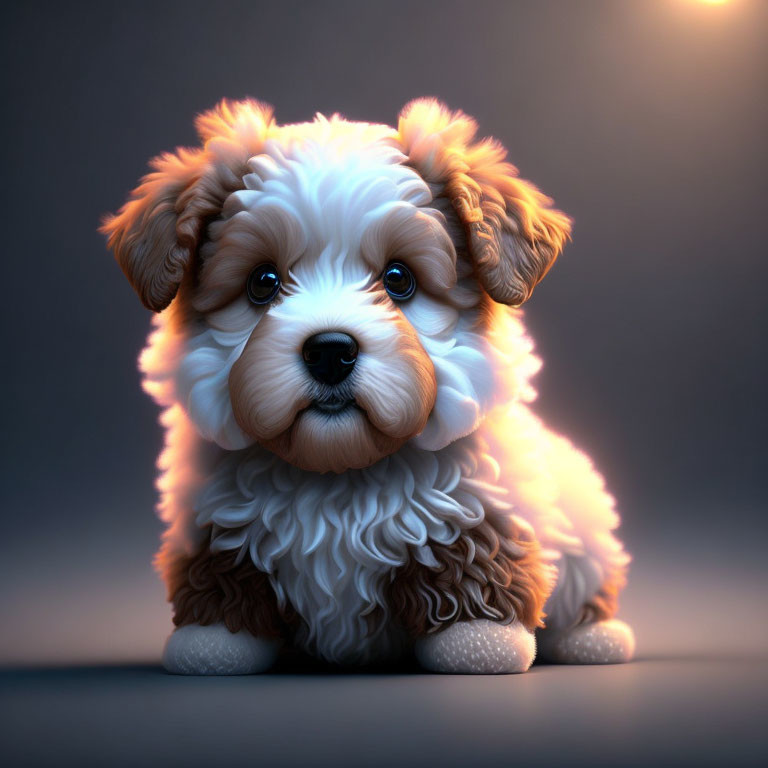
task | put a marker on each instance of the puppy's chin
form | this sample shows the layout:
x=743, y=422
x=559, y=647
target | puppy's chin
x=335, y=442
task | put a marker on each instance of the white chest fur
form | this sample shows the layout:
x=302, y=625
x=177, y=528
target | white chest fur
x=330, y=543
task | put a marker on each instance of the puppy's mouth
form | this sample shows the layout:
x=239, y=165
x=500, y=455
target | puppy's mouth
x=333, y=404
x=332, y=433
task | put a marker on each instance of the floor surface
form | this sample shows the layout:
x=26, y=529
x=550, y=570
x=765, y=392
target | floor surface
x=696, y=711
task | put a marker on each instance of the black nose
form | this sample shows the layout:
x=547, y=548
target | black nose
x=330, y=357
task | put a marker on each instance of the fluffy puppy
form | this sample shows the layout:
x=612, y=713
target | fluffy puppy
x=351, y=463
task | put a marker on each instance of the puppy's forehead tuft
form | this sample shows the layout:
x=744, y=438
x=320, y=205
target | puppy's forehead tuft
x=338, y=150
x=336, y=133
x=334, y=178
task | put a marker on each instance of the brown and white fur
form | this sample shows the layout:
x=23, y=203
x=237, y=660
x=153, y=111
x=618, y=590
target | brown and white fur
x=436, y=511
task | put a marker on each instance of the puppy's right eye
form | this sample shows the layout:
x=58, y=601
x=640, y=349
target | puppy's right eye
x=399, y=281
x=263, y=284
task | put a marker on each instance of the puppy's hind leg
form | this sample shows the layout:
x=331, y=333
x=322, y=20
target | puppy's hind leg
x=226, y=615
x=609, y=641
x=584, y=631
x=580, y=623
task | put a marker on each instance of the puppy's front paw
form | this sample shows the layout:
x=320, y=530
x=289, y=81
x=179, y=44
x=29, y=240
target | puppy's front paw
x=214, y=650
x=603, y=642
x=480, y=647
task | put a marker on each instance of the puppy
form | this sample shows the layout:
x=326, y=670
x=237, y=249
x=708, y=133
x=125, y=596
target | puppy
x=351, y=462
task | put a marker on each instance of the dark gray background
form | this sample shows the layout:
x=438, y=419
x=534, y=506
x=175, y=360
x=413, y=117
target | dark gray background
x=646, y=121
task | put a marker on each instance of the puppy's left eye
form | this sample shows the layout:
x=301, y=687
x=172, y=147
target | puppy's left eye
x=263, y=284
x=399, y=281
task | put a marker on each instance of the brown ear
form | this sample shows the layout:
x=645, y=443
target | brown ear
x=155, y=235
x=513, y=233
x=153, y=240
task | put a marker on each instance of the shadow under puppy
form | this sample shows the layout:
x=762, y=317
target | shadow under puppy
x=351, y=464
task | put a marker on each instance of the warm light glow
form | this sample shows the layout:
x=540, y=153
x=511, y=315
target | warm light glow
x=713, y=2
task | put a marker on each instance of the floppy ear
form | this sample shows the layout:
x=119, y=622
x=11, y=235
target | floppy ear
x=155, y=235
x=513, y=233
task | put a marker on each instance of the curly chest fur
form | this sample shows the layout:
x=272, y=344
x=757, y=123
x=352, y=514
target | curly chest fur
x=332, y=545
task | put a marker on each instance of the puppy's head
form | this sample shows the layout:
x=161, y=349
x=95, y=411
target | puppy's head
x=333, y=283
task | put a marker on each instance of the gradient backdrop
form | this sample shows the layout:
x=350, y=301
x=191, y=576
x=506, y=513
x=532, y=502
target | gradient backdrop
x=647, y=122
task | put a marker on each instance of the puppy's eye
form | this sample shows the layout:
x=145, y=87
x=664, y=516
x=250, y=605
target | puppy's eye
x=263, y=284
x=399, y=281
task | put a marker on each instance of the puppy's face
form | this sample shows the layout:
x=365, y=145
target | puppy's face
x=323, y=263
x=335, y=299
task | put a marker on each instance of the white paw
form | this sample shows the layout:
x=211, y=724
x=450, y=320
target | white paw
x=214, y=650
x=604, y=642
x=480, y=647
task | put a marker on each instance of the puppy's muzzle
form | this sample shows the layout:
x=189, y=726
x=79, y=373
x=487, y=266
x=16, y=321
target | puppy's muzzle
x=330, y=356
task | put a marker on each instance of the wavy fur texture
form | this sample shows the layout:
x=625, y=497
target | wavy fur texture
x=331, y=543
x=440, y=497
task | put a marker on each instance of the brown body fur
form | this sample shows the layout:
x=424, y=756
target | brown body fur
x=210, y=588
x=501, y=568
x=486, y=568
